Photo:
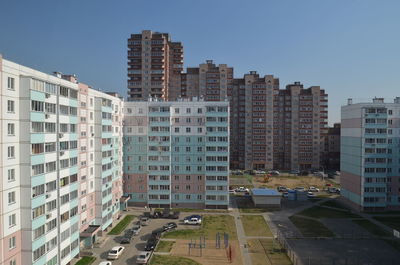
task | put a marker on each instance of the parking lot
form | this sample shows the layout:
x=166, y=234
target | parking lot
x=138, y=242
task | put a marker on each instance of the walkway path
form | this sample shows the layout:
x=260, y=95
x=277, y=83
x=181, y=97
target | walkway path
x=241, y=234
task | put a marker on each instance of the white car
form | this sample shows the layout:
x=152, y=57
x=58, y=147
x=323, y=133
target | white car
x=115, y=252
x=105, y=263
x=143, y=257
x=313, y=189
x=192, y=221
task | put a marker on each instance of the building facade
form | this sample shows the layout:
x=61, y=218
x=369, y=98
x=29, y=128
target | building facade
x=300, y=127
x=369, y=158
x=252, y=121
x=176, y=154
x=48, y=166
x=155, y=64
x=332, y=145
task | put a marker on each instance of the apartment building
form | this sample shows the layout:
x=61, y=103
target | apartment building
x=369, y=160
x=301, y=125
x=176, y=154
x=155, y=64
x=209, y=81
x=48, y=163
x=252, y=121
x=332, y=147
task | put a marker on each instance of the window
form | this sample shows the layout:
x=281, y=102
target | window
x=37, y=169
x=10, y=106
x=39, y=252
x=37, y=127
x=38, y=211
x=11, y=174
x=11, y=197
x=13, y=262
x=12, y=242
x=37, y=105
x=12, y=220
x=11, y=152
x=11, y=129
x=37, y=190
x=11, y=83
x=38, y=232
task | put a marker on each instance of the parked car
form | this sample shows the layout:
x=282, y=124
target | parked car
x=156, y=233
x=151, y=244
x=311, y=195
x=192, y=216
x=282, y=189
x=304, y=173
x=259, y=172
x=274, y=172
x=174, y=215
x=115, y=252
x=144, y=221
x=136, y=229
x=170, y=226
x=300, y=188
x=242, y=189
x=232, y=192
x=319, y=174
x=125, y=240
x=192, y=221
x=333, y=190
x=143, y=257
x=285, y=194
x=295, y=172
x=313, y=189
x=105, y=263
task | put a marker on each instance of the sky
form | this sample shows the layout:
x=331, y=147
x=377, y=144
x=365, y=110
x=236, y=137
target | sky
x=351, y=48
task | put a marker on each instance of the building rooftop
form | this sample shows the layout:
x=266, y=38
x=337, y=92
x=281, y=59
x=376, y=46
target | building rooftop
x=265, y=192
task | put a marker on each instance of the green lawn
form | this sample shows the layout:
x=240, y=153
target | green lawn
x=171, y=260
x=211, y=224
x=267, y=252
x=255, y=225
x=391, y=221
x=371, y=227
x=120, y=227
x=310, y=228
x=164, y=246
x=335, y=204
x=86, y=261
x=321, y=212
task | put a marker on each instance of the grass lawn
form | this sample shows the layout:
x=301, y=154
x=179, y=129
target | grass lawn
x=265, y=252
x=211, y=224
x=335, y=204
x=246, y=205
x=371, y=227
x=255, y=225
x=310, y=228
x=393, y=222
x=86, y=261
x=120, y=227
x=321, y=212
x=164, y=246
x=171, y=260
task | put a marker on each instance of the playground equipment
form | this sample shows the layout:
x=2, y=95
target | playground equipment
x=200, y=245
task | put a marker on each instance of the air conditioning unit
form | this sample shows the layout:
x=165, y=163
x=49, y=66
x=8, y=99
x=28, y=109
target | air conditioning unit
x=48, y=216
x=47, y=95
x=61, y=135
x=111, y=145
x=61, y=153
x=47, y=116
x=92, y=134
x=48, y=196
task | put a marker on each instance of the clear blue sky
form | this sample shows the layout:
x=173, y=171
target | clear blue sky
x=349, y=47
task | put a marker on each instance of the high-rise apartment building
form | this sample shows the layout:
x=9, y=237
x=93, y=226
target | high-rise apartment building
x=369, y=159
x=208, y=81
x=332, y=147
x=300, y=127
x=176, y=154
x=155, y=64
x=252, y=121
x=53, y=157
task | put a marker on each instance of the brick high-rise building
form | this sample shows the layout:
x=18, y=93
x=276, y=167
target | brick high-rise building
x=251, y=102
x=300, y=127
x=209, y=81
x=155, y=64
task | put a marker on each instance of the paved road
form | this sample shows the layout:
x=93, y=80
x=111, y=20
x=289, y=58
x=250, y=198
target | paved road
x=134, y=248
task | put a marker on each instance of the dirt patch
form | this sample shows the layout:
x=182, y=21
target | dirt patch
x=292, y=182
x=210, y=254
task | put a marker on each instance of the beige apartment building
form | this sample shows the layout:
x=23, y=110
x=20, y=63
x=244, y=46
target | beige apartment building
x=155, y=64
